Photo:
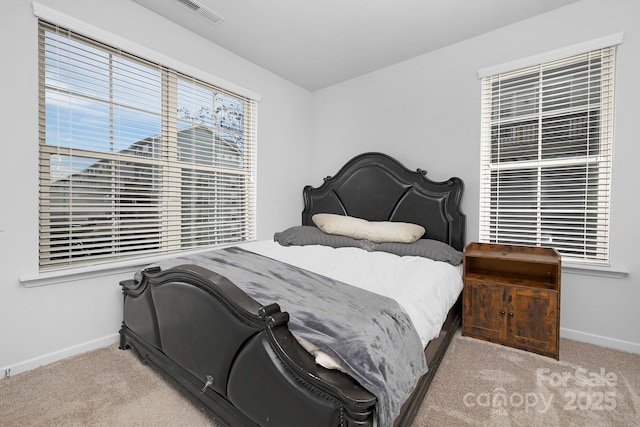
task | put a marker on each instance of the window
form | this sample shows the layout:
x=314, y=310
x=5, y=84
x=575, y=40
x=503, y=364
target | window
x=547, y=134
x=136, y=158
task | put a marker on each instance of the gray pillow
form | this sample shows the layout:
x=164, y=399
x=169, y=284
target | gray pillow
x=309, y=235
x=302, y=235
x=427, y=248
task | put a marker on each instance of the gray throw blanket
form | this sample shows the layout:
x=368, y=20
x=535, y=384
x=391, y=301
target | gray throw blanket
x=369, y=334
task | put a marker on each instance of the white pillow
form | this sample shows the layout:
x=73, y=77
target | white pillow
x=375, y=231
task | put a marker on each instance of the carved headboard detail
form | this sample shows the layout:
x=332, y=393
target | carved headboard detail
x=376, y=187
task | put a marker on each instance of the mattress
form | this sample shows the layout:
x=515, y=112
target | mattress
x=426, y=289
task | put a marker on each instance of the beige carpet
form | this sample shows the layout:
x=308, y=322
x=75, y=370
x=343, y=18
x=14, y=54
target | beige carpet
x=107, y=387
x=478, y=384
x=485, y=384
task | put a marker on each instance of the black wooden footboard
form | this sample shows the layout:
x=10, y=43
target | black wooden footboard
x=234, y=357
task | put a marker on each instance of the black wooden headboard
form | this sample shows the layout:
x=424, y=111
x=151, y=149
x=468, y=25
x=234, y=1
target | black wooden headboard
x=376, y=187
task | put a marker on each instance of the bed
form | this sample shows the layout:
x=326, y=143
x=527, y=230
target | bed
x=237, y=357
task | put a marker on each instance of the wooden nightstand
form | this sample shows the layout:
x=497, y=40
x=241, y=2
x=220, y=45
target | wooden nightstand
x=512, y=296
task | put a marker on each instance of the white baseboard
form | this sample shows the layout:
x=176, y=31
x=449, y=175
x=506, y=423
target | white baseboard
x=36, y=362
x=626, y=346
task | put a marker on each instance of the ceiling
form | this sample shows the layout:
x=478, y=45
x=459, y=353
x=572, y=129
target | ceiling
x=316, y=44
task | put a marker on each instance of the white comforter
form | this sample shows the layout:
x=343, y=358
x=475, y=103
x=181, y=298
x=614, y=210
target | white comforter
x=426, y=289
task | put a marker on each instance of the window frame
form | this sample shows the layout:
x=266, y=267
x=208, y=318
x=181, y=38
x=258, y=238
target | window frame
x=251, y=100
x=521, y=67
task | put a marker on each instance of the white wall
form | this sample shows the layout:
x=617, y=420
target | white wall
x=426, y=113
x=41, y=324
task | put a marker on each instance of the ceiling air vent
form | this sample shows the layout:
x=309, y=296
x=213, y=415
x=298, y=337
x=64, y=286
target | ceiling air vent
x=201, y=10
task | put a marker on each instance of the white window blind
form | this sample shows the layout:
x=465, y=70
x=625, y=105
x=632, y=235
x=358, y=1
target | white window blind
x=547, y=134
x=135, y=158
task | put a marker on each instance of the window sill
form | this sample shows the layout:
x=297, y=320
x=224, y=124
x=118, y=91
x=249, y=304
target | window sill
x=594, y=270
x=101, y=270
x=80, y=273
